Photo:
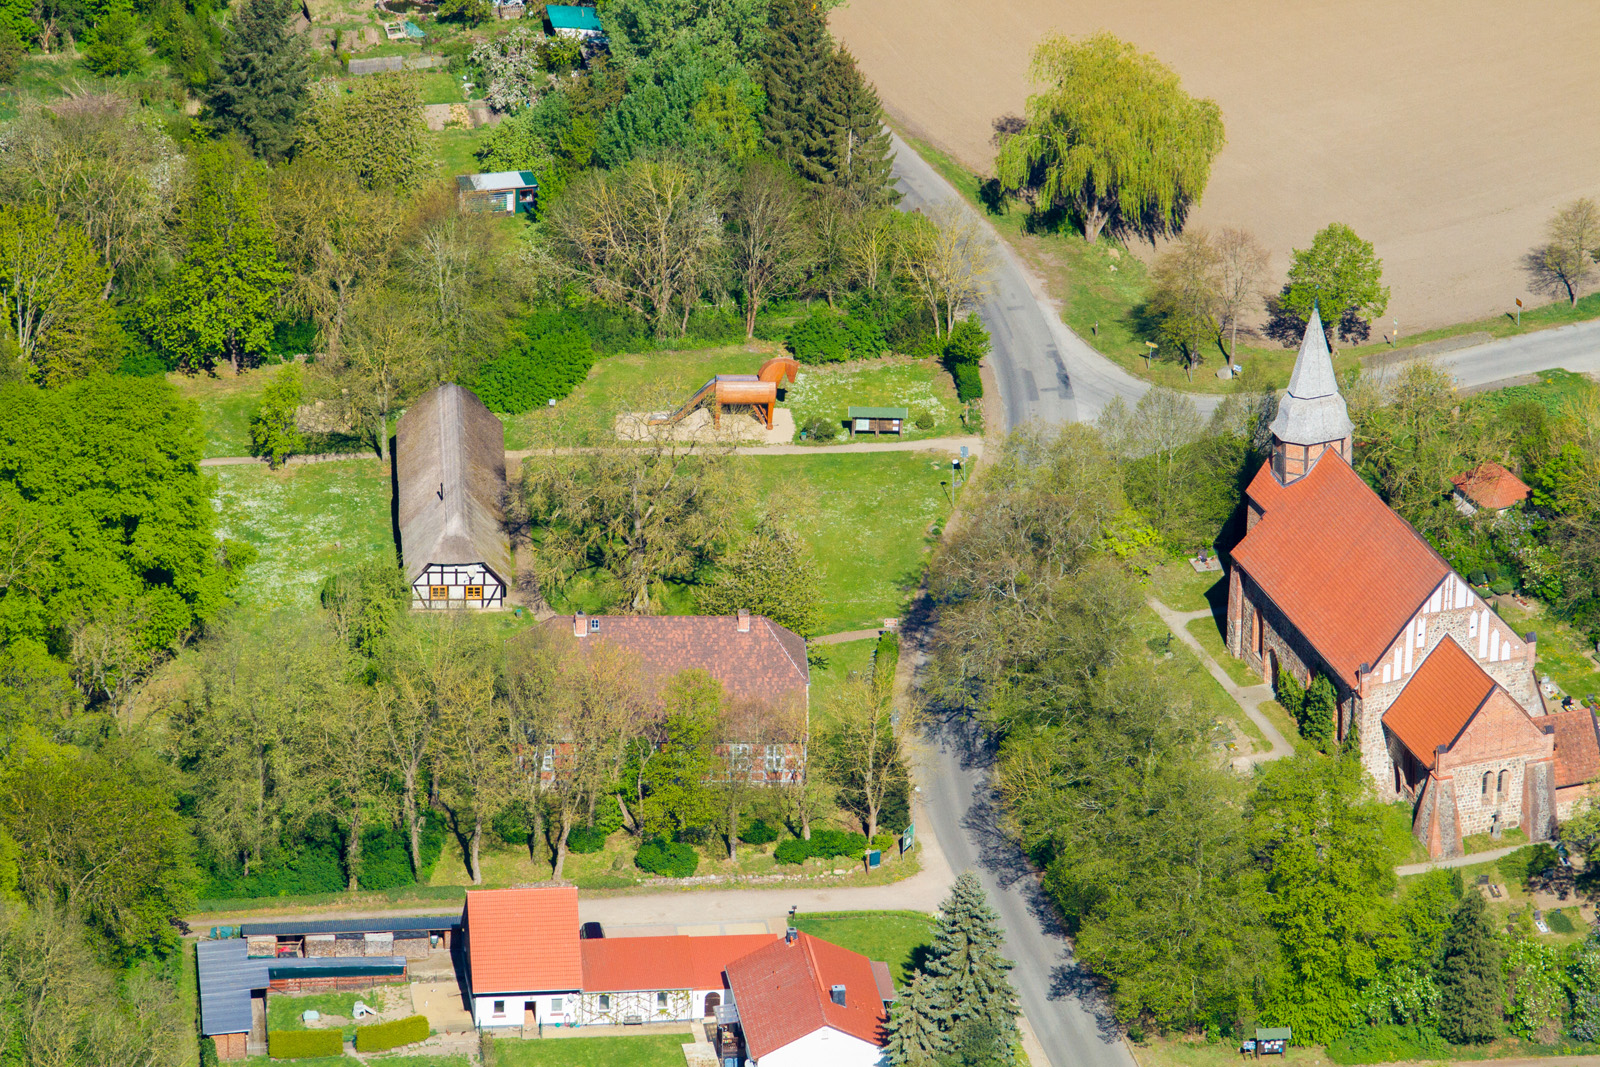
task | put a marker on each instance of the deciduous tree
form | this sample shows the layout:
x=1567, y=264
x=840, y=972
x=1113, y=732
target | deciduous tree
x=677, y=797
x=52, y=282
x=1112, y=138
x=1565, y=262
x=860, y=751
x=222, y=298
x=1243, y=262
x=388, y=356
x=274, y=428
x=371, y=130
x=768, y=243
x=1187, y=296
x=772, y=573
x=946, y=256
x=1343, y=274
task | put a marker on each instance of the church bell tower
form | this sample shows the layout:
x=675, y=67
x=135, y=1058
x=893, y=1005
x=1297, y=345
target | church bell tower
x=1312, y=417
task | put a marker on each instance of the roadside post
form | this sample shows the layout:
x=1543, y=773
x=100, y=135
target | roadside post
x=1519, y=312
x=1150, y=350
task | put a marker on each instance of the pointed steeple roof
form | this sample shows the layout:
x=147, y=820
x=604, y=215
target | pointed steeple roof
x=1312, y=412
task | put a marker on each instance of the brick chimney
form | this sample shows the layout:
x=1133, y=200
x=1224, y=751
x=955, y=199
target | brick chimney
x=580, y=624
x=744, y=620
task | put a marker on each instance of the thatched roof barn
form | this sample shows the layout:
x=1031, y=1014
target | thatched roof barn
x=450, y=460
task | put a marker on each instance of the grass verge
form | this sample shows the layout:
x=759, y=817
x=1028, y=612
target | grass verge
x=1562, y=653
x=647, y=1050
x=921, y=386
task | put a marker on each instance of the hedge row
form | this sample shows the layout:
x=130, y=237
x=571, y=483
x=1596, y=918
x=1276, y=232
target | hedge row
x=382, y=1036
x=299, y=1044
x=670, y=859
x=824, y=843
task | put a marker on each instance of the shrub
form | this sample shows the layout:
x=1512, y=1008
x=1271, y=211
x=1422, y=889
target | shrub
x=1527, y=863
x=274, y=430
x=1388, y=1044
x=1501, y=586
x=818, y=339
x=793, y=850
x=584, y=839
x=382, y=1036
x=863, y=337
x=822, y=429
x=969, y=383
x=923, y=421
x=885, y=658
x=759, y=832
x=299, y=1044
x=294, y=338
x=546, y=362
x=670, y=859
x=208, y=1052
x=885, y=842
x=830, y=843
x=968, y=343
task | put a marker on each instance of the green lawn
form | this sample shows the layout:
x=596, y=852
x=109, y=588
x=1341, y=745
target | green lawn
x=639, y=381
x=650, y=1050
x=305, y=521
x=1175, y=660
x=227, y=403
x=440, y=87
x=842, y=660
x=894, y=937
x=453, y=150
x=922, y=386
x=1561, y=649
x=1182, y=588
x=867, y=522
x=351, y=1061
x=1102, y=286
x=284, y=1010
x=1205, y=631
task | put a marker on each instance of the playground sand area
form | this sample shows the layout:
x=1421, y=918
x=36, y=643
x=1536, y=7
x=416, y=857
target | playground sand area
x=698, y=426
x=1444, y=131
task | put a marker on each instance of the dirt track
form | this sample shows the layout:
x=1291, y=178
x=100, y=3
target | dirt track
x=1445, y=131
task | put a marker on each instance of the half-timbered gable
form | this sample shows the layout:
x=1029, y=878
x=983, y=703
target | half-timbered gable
x=450, y=469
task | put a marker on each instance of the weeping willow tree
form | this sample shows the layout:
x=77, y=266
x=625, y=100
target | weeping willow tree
x=1113, y=136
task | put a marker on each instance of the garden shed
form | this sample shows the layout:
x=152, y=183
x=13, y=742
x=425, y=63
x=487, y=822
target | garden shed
x=450, y=473
x=570, y=20
x=877, y=420
x=505, y=192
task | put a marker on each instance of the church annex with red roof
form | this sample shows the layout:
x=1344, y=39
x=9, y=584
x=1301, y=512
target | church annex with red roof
x=1328, y=579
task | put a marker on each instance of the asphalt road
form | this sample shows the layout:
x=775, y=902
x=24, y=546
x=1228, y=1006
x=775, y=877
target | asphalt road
x=1044, y=370
x=1575, y=348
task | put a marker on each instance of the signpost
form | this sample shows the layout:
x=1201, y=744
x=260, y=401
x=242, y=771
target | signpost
x=908, y=840
x=1150, y=350
x=1519, y=311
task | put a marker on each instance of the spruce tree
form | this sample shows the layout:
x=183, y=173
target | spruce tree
x=261, y=78
x=967, y=969
x=859, y=153
x=795, y=60
x=917, y=1024
x=1470, y=982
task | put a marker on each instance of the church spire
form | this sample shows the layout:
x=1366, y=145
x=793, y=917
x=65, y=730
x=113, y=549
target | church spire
x=1312, y=417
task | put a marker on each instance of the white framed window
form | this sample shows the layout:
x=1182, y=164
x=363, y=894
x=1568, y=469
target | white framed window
x=555, y=1003
x=774, y=760
x=661, y=999
x=499, y=1007
x=605, y=1001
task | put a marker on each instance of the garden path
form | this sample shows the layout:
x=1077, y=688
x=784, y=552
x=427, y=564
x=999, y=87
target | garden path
x=1248, y=697
x=974, y=446
x=1457, y=861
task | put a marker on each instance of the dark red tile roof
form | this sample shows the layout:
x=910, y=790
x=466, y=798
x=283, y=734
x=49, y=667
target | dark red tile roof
x=627, y=964
x=523, y=940
x=782, y=992
x=1347, y=571
x=1442, y=696
x=1492, y=486
x=1577, y=745
x=764, y=664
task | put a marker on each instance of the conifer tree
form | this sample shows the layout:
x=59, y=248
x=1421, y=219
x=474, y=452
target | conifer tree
x=859, y=153
x=795, y=60
x=918, y=1024
x=261, y=78
x=1470, y=981
x=965, y=964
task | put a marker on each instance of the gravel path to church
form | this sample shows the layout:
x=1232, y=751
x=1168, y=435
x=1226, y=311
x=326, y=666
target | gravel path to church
x=1457, y=861
x=1248, y=697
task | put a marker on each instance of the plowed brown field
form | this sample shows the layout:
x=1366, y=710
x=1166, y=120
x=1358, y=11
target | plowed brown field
x=1444, y=131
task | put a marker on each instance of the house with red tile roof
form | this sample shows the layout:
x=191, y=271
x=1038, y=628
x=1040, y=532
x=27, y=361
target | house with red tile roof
x=802, y=1001
x=1488, y=487
x=1441, y=691
x=777, y=1001
x=761, y=666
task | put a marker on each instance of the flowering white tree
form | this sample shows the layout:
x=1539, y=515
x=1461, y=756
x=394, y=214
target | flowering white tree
x=521, y=65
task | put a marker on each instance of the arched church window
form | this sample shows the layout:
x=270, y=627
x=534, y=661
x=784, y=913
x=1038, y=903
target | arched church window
x=1487, y=777
x=1500, y=785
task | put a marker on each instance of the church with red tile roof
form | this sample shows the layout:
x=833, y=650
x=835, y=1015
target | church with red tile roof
x=1440, y=691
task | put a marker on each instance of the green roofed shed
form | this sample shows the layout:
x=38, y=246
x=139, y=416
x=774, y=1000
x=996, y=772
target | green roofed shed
x=1272, y=1040
x=877, y=420
x=570, y=20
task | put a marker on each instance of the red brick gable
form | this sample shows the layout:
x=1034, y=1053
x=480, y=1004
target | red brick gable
x=1345, y=569
x=1577, y=746
x=767, y=663
x=782, y=993
x=1437, y=703
x=1491, y=486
